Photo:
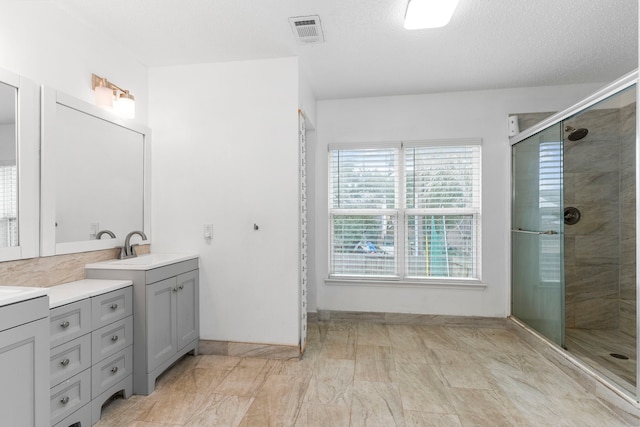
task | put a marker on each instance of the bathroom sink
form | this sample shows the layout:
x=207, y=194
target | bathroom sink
x=142, y=262
x=14, y=294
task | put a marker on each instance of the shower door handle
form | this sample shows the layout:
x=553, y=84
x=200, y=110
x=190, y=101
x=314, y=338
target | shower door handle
x=548, y=232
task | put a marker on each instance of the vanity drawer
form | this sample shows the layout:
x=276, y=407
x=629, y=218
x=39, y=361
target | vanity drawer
x=70, y=321
x=111, y=371
x=69, y=396
x=111, y=339
x=112, y=306
x=70, y=359
x=80, y=418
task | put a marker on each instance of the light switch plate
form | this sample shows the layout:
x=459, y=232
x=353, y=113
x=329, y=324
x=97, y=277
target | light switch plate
x=208, y=231
x=94, y=227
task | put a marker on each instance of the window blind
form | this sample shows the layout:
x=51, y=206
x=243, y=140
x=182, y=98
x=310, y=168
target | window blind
x=405, y=212
x=443, y=207
x=364, y=196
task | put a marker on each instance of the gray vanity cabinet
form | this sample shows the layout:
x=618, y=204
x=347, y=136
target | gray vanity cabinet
x=187, y=309
x=166, y=316
x=161, y=313
x=91, y=352
x=171, y=310
x=24, y=363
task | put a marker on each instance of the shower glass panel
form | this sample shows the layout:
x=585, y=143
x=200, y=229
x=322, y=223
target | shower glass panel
x=600, y=256
x=537, y=222
x=574, y=233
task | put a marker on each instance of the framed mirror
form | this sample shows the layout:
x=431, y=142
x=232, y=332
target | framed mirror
x=94, y=177
x=19, y=142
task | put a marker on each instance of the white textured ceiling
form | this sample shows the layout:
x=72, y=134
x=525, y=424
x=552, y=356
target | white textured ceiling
x=488, y=44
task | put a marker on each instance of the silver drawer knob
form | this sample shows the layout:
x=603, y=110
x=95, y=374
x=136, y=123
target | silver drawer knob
x=114, y=369
x=181, y=287
x=64, y=362
x=114, y=306
x=114, y=338
x=64, y=400
x=175, y=289
x=64, y=324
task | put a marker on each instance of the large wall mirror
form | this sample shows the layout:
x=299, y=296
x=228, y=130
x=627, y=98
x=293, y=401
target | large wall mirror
x=8, y=166
x=19, y=140
x=94, y=182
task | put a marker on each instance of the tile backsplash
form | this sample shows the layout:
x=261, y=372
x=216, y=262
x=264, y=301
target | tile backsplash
x=54, y=270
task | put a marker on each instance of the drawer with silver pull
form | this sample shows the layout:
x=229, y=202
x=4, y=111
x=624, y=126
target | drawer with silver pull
x=111, y=370
x=70, y=321
x=70, y=396
x=82, y=418
x=111, y=339
x=112, y=306
x=70, y=358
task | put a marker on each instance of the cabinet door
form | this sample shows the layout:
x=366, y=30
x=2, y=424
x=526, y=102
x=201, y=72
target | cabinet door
x=187, y=303
x=161, y=322
x=24, y=369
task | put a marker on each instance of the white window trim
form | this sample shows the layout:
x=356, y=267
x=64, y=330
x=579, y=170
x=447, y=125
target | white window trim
x=401, y=212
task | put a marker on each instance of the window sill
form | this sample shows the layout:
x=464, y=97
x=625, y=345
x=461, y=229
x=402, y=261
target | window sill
x=428, y=283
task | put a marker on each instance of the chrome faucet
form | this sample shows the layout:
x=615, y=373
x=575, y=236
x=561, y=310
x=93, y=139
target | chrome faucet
x=129, y=250
x=109, y=232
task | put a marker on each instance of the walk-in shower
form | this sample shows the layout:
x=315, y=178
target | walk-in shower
x=574, y=231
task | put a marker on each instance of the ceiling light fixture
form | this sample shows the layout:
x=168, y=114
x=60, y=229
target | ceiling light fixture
x=428, y=13
x=106, y=93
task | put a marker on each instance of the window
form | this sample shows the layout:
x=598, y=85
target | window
x=405, y=211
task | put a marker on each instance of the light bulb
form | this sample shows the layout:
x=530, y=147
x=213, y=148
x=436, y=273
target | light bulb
x=104, y=97
x=126, y=106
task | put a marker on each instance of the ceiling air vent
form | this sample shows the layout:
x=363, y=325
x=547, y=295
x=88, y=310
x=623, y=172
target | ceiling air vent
x=307, y=29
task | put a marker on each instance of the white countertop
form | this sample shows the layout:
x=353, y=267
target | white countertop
x=15, y=294
x=142, y=262
x=76, y=291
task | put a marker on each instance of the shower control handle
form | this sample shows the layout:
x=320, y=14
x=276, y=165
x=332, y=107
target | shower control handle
x=571, y=215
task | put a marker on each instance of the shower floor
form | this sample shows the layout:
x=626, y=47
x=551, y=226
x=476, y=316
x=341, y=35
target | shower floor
x=594, y=348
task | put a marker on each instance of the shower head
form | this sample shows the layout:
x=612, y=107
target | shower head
x=576, y=134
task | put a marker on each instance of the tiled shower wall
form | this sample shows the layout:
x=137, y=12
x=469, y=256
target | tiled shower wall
x=592, y=246
x=600, y=249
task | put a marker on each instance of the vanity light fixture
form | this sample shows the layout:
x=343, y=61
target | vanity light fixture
x=428, y=13
x=106, y=93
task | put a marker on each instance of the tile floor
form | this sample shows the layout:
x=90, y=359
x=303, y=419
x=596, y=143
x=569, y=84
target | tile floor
x=371, y=374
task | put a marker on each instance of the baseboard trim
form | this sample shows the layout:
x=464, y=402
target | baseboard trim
x=408, y=319
x=242, y=349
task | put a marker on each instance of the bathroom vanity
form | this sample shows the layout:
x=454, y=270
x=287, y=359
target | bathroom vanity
x=166, y=310
x=24, y=356
x=91, y=338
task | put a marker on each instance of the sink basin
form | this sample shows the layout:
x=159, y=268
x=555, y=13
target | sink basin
x=14, y=294
x=142, y=262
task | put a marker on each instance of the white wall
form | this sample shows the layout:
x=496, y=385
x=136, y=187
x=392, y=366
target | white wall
x=307, y=102
x=421, y=117
x=225, y=152
x=46, y=45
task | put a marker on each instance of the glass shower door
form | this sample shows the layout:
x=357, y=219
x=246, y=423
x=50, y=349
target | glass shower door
x=537, y=296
